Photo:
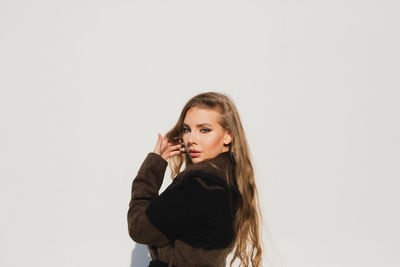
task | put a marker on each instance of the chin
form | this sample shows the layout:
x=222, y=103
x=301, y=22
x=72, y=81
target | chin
x=196, y=160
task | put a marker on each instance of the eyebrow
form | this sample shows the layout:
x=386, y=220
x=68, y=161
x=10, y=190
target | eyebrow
x=199, y=125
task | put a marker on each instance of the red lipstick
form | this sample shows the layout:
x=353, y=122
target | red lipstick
x=194, y=153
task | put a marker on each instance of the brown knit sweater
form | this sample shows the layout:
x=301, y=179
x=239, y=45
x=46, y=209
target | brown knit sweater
x=191, y=222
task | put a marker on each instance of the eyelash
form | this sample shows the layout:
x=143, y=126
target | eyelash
x=208, y=130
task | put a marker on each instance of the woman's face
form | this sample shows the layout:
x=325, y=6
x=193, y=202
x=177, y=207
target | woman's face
x=203, y=133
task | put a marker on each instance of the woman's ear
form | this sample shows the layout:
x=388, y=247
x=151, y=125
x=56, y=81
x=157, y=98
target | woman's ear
x=227, y=138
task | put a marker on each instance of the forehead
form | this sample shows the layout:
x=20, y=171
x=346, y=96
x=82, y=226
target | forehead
x=200, y=115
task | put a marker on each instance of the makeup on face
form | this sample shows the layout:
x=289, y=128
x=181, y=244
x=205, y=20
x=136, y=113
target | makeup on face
x=203, y=134
x=192, y=153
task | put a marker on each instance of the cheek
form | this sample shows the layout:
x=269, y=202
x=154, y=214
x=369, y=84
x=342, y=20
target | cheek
x=212, y=141
x=185, y=137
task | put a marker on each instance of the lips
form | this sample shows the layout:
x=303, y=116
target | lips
x=194, y=153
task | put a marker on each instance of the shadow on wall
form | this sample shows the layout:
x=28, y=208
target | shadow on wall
x=140, y=256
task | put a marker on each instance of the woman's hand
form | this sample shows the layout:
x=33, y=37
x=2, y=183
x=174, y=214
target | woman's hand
x=166, y=149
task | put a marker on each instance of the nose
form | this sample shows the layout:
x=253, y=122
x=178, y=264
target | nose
x=191, y=140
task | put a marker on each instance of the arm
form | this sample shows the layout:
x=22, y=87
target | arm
x=145, y=188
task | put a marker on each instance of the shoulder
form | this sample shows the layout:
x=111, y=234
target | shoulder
x=204, y=178
x=207, y=166
x=210, y=168
x=209, y=174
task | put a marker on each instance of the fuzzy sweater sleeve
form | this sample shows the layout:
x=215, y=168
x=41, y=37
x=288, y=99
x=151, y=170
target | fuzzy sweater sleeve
x=145, y=188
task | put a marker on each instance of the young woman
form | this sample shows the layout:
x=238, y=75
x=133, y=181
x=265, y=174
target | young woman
x=211, y=207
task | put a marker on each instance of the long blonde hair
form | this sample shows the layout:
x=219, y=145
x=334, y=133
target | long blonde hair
x=247, y=241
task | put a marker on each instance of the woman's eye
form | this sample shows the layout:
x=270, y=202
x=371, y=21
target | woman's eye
x=204, y=130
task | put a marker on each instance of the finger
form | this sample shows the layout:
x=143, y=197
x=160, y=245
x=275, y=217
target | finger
x=176, y=147
x=160, y=140
x=164, y=144
x=158, y=144
x=174, y=153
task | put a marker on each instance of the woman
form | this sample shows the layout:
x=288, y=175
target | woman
x=211, y=207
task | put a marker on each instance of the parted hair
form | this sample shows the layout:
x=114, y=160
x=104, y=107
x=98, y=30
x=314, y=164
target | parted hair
x=247, y=241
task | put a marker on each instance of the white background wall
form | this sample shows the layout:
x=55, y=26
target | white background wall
x=86, y=86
